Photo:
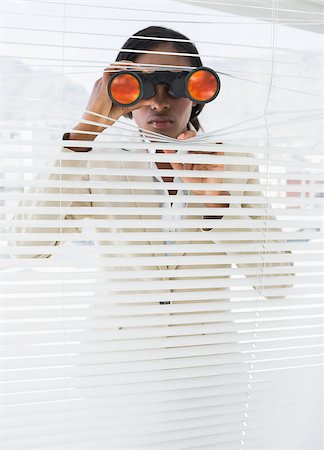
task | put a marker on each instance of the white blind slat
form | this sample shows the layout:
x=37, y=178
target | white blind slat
x=130, y=320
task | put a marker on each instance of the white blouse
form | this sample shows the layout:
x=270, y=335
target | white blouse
x=167, y=198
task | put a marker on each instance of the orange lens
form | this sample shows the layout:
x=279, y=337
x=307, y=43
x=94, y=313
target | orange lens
x=202, y=85
x=125, y=88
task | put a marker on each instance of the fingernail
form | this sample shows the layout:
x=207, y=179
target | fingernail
x=181, y=136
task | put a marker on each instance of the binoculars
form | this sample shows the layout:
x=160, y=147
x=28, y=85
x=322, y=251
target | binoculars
x=126, y=88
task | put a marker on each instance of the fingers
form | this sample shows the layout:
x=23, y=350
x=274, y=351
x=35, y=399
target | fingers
x=115, y=67
x=183, y=136
x=121, y=65
x=187, y=135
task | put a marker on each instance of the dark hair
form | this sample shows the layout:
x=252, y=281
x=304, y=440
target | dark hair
x=148, y=44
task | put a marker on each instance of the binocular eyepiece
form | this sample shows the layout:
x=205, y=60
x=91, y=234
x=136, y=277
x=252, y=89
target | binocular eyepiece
x=127, y=88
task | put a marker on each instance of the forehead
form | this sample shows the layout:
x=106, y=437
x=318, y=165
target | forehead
x=163, y=60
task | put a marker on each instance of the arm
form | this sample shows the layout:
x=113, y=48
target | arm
x=39, y=232
x=234, y=216
x=246, y=205
x=99, y=115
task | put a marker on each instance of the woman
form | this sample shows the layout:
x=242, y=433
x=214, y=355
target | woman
x=176, y=304
x=162, y=113
x=183, y=110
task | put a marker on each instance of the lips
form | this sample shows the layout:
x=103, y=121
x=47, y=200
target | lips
x=160, y=119
x=160, y=122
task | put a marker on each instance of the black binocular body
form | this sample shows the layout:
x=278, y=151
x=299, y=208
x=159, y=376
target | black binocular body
x=127, y=88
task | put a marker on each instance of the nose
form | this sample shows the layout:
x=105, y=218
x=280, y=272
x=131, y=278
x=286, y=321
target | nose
x=160, y=99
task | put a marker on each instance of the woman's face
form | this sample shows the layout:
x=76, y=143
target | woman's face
x=162, y=113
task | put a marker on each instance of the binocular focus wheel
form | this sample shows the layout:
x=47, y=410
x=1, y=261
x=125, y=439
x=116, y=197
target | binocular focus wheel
x=125, y=88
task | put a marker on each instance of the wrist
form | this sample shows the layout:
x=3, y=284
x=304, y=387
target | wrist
x=88, y=132
x=100, y=113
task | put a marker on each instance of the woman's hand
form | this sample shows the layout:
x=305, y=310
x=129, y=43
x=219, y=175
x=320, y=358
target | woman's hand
x=194, y=166
x=100, y=102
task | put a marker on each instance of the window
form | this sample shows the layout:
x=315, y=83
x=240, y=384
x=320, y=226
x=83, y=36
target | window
x=127, y=323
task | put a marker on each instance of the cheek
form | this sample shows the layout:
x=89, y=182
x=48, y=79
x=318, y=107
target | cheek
x=138, y=116
x=184, y=108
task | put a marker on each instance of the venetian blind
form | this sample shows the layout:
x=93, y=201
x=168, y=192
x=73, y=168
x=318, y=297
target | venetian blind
x=131, y=318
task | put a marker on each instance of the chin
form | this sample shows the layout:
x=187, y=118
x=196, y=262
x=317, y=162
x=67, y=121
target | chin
x=168, y=131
